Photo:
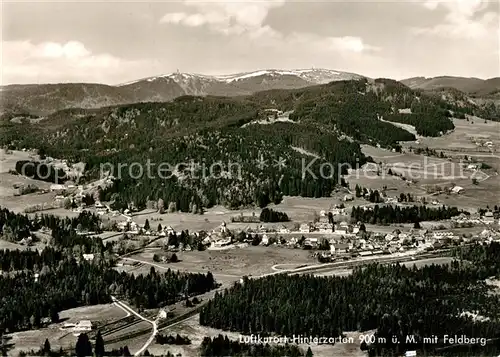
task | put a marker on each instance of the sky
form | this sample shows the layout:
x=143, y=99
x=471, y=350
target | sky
x=118, y=41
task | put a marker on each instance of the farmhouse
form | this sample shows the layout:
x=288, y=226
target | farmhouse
x=83, y=325
x=311, y=241
x=488, y=218
x=169, y=230
x=325, y=227
x=337, y=210
x=283, y=230
x=305, y=228
x=162, y=314
x=99, y=205
x=339, y=248
x=391, y=200
x=348, y=198
x=389, y=237
x=457, y=189
x=57, y=187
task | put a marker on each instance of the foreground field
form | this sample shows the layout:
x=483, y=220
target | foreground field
x=33, y=339
x=196, y=333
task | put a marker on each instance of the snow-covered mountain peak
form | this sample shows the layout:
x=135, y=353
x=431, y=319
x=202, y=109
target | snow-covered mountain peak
x=312, y=75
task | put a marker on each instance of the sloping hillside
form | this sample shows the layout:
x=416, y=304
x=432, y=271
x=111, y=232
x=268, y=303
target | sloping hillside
x=471, y=86
x=192, y=134
x=44, y=99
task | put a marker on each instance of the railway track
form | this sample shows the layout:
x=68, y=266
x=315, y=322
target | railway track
x=355, y=263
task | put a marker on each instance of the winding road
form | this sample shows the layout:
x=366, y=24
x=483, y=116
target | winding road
x=128, y=309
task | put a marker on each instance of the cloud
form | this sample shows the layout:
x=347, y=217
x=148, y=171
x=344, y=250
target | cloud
x=71, y=49
x=350, y=43
x=248, y=18
x=49, y=62
x=226, y=17
x=461, y=20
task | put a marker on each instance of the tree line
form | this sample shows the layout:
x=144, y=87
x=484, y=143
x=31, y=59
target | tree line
x=270, y=215
x=71, y=282
x=394, y=214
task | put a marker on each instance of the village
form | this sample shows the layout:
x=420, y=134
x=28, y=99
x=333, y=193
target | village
x=332, y=234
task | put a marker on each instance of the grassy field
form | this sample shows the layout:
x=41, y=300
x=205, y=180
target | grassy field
x=299, y=209
x=231, y=263
x=33, y=339
x=7, y=181
x=430, y=171
x=465, y=135
x=11, y=246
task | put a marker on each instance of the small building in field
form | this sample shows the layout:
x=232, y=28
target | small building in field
x=57, y=187
x=348, y=198
x=82, y=326
x=488, y=218
x=283, y=230
x=163, y=313
x=169, y=230
x=339, y=248
x=305, y=228
x=457, y=189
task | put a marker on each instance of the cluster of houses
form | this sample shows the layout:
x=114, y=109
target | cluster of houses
x=488, y=218
x=395, y=242
x=488, y=144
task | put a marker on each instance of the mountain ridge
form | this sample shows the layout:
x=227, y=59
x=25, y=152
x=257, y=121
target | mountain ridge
x=469, y=85
x=43, y=99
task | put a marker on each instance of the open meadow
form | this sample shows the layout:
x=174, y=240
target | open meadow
x=431, y=171
x=298, y=209
x=228, y=264
x=99, y=315
x=463, y=139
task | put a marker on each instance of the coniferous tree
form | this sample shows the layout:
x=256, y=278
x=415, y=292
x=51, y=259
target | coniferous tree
x=83, y=347
x=99, y=345
x=46, y=347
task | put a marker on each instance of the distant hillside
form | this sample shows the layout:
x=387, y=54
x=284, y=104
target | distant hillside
x=328, y=121
x=471, y=86
x=44, y=99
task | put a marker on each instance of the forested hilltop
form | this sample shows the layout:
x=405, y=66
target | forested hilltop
x=269, y=137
